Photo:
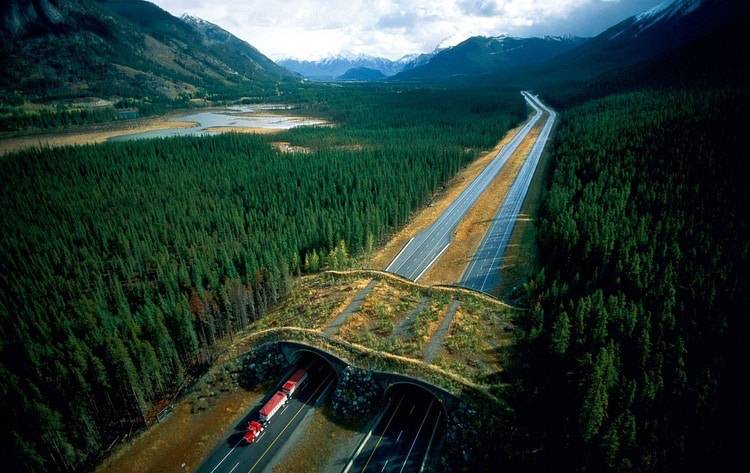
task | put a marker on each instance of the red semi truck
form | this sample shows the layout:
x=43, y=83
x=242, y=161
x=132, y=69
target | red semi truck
x=295, y=381
x=256, y=427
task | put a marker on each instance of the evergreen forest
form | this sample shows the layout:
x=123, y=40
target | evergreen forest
x=124, y=264
x=630, y=357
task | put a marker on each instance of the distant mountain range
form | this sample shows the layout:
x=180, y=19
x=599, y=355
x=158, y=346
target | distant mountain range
x=361, y=74
x=126, y=48
x=682, y=33
x=130, y=48
x=665, y=27
x=488, y=55
x=333, y=67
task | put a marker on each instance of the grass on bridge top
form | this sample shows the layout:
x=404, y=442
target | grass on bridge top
x=474, y=347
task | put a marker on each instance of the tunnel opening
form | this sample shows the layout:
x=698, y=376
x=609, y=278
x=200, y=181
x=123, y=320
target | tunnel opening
x=303, y=384
x=408, y=433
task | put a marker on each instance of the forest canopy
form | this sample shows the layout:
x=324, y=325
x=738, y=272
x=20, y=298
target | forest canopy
x=631, y=357
x=123, y=263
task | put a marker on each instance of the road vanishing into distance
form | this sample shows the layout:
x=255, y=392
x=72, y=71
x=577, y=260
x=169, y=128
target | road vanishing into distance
x=234, y=455
x=416, y=257
x=403, y=437
x=409, y=429
x=483, y=271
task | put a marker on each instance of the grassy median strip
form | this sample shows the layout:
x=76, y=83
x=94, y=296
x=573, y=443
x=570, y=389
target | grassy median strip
x=426, y=215
x=470, y=231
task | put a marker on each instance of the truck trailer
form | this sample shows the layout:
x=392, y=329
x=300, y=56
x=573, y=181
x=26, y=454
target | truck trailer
x=272, y=406
x=295, y=382
x=256, y=427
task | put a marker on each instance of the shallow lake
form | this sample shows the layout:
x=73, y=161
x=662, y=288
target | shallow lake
x=243, y=116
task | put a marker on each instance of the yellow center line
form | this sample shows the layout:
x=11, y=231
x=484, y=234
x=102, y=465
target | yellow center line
x=288, y=424
x=380, y=439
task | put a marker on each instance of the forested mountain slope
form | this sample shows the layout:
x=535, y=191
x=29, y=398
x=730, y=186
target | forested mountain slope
x=499, y=57
x=71, y=48
x=666, y=27
x=122, y=264
x=630, y=358
x=711, y=60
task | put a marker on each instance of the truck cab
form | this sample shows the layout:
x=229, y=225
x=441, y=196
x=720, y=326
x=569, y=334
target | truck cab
x=254, y=429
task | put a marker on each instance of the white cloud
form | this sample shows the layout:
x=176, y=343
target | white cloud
x=311, y=29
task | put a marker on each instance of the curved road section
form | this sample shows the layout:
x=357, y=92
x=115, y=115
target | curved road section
x=427, y=246
x=483, y=272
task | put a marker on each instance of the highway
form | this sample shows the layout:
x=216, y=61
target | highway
x=407, y=431
x=416, y=257
x=234, y=455
x=483, y=271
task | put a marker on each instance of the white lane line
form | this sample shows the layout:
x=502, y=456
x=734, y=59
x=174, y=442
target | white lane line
x=513, y=202
x=367, y=437
x=478, y=186
x=225, y=456
x=235, y=466
x=426, y=414
x=311, y=398
x=429, y=445
x=470, y=269
x=385, y=431
x=399, y=435
x=399, y=253
x=384, y=465
x=433, y=261
x=517, y=195
x=478, y=183
x=412, y=408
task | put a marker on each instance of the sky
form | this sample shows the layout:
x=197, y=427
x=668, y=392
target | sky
x=314, y=29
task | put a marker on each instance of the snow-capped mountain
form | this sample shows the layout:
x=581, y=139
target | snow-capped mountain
x=487, y=55
x=665, y=27
x=332, y=67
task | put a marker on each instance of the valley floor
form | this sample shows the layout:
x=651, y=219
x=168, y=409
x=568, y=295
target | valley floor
x=88, y=134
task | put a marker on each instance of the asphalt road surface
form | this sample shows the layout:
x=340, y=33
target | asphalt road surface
x=427, y=246
x=404, y=437
x=234, y=455
x=483, y=271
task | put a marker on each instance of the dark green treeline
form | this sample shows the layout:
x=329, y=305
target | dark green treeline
x=632, y=358
x=122, y=264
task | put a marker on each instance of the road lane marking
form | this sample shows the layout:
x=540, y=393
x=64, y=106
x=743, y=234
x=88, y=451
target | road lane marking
x=367, y=437
x=325, y=381
x=399, y=436
x=399, y=253
x=385, y=430
x=235, y=466
x=424, y=419
x=517, y=194
x=429, y=445
x=513, y=201
x=433, y=261
x=384, y=465
x=225, y=456
x=412, y=409
x=472, y=264
x=475, y=186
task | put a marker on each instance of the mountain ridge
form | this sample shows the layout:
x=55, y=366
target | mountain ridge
x=116, y=48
